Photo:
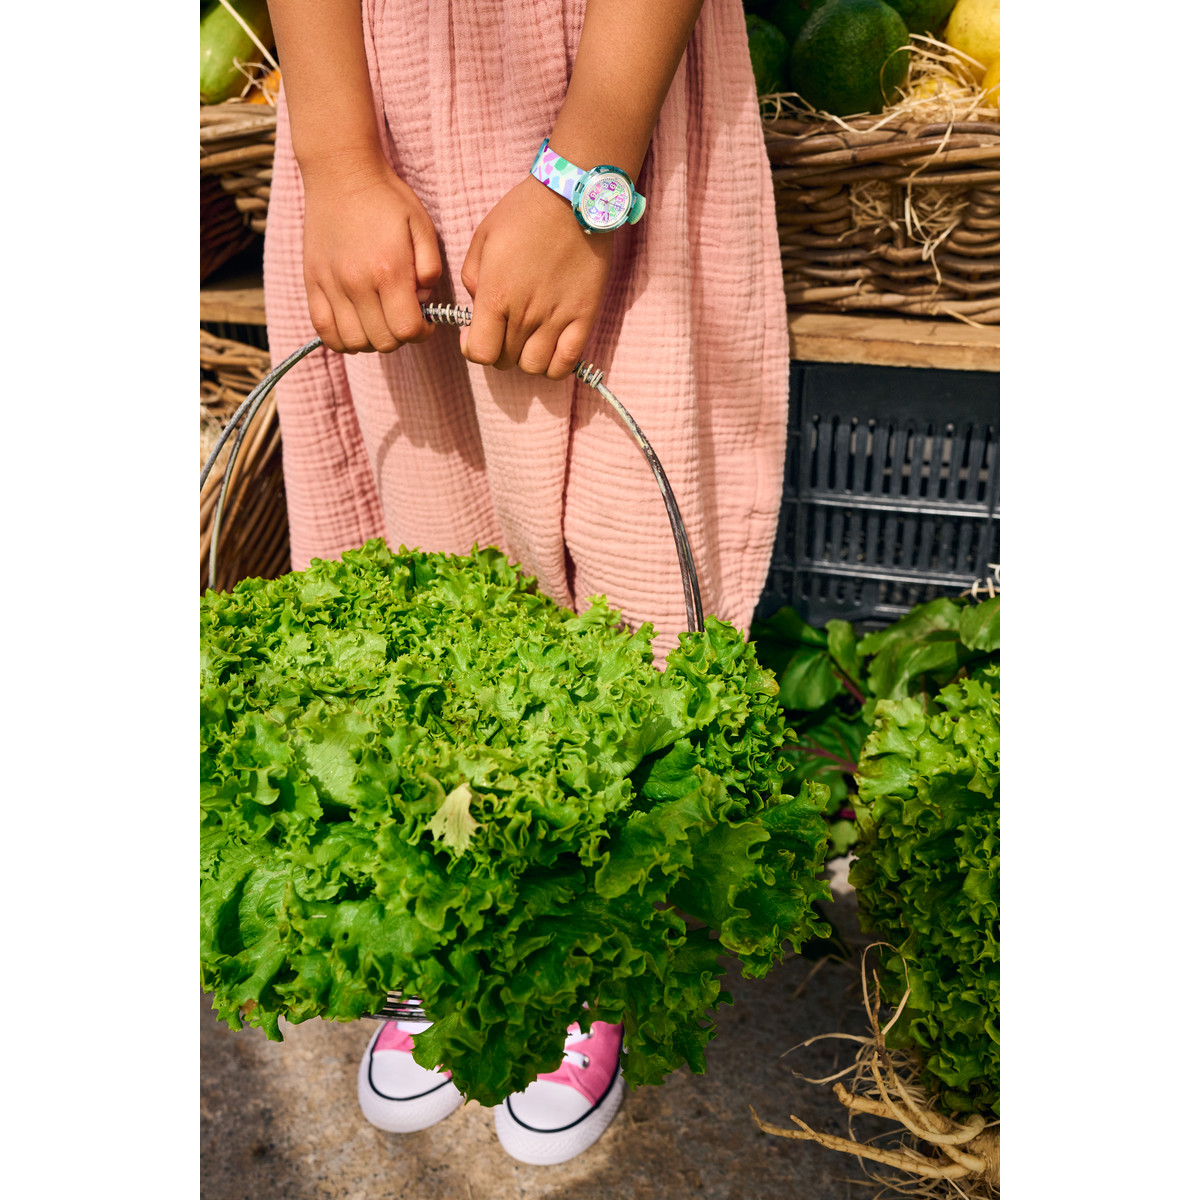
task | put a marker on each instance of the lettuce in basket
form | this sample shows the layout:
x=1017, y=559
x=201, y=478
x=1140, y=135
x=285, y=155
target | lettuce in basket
x=420, y=775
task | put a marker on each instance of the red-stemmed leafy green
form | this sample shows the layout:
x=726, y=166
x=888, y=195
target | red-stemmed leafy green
x=830, y=680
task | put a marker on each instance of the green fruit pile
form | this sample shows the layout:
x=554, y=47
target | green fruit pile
x=842, y=56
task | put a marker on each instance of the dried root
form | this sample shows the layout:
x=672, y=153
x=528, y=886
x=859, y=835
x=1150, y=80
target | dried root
x=990, y=585
x=936, y=1157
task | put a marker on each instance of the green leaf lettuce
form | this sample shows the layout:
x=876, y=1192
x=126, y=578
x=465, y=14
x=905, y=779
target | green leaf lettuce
x=927, y=877
x=419, y=775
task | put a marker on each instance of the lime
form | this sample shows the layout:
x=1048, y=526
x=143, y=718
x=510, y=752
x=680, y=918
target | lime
x=923, y=16
x=789, y=16
x=768, y=55
x=849, y=59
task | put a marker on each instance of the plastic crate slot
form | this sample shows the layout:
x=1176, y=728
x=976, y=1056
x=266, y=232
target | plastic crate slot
x=859, y=454
x=889, y=477
x=925, y=545
x=946, y=543
x=936, y=470
x=891, y=527
x=816, y=454
x=872, y=453
x=976, y=472
x=815, y=544
x=908, y=542
x=871, y=546
x=856, y=547
x=838, y=550
x=918, y=474
x=842, y=450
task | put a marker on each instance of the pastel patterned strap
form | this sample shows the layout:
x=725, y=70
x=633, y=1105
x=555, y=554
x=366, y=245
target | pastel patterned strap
x=555, y=172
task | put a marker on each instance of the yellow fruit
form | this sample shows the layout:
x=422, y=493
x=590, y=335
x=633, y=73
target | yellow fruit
x=974, y=29
x=991, y=85
x=934, y=87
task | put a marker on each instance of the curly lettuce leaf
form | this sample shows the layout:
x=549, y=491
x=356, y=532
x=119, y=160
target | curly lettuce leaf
x=927, y=877
x=419, y=775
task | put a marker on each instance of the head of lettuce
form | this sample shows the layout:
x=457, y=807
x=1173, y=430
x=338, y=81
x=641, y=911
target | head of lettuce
x=419, y=775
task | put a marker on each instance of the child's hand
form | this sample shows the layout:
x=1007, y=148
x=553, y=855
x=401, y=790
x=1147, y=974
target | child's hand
x=536, y=280
x=370, y=257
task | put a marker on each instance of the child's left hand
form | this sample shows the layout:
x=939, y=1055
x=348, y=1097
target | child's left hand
x=536, y=281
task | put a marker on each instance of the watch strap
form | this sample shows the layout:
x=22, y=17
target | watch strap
x=555, y=172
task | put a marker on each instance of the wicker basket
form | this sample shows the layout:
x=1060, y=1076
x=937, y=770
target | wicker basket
x=224, y=233
x=237, y=144
x=901, y=218
x=254, y=530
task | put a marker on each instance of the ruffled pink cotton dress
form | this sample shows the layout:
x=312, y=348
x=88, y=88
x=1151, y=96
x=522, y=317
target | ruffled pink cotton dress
x=436, y=453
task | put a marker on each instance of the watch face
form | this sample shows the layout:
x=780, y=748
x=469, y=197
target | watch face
x=605, y=201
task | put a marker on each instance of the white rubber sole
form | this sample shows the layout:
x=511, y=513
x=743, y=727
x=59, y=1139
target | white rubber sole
x=540, y=1149
x=403, y=1116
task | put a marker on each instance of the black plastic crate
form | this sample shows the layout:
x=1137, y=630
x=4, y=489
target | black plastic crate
x=891, y=491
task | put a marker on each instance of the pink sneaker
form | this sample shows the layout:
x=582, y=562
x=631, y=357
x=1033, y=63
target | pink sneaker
x=562, y=1113
x=394, y=1093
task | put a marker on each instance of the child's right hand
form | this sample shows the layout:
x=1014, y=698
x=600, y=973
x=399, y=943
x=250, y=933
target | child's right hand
x=371, y=257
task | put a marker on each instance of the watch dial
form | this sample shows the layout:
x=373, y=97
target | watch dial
x=606, y=201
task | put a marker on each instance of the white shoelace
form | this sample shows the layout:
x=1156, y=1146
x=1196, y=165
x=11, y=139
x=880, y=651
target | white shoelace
x=414, y=1020
x=574, y=1056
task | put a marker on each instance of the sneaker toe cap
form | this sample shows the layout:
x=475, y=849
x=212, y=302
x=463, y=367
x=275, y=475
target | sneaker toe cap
x=396, y=1076
x=548, y=1106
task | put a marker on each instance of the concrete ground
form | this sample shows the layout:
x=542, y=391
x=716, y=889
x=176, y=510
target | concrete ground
x=281, y=1121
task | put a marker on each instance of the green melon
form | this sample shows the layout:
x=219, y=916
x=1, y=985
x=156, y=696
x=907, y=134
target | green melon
x=789, y=16
x=923, y=16
x=849, y=57
x=222, y=40
x=768, y=55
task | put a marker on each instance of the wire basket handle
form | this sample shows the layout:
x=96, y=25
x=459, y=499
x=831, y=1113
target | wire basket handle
x=445, y=314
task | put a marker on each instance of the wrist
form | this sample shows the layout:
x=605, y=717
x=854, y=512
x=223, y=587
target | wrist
x=346, y=166
x=545, y=206
x=586, y=149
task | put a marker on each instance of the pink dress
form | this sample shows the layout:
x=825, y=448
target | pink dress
x=433, y=452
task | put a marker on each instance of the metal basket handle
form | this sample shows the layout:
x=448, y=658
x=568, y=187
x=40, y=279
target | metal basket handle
x=445, y=314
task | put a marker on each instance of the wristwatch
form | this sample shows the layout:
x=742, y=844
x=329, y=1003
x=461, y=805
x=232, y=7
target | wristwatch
x=602, y=198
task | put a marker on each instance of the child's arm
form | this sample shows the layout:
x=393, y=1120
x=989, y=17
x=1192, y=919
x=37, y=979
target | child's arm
x=536, y=278
x=369, y=245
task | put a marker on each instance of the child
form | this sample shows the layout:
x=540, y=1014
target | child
x=426, y=149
